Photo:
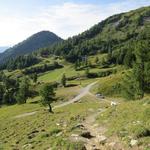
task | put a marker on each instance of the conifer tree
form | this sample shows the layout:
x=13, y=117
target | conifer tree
x=63, y=80
x=23, y=92
x=137, y=82
x=48, y=95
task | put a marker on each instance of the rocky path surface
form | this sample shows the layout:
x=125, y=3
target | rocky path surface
x=83, y=92
x=26, y=114
x=94, y=136
x=96, y=132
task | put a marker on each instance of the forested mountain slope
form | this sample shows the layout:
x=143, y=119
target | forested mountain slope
x=39, y=40
x=113, y=35
x=3, y=48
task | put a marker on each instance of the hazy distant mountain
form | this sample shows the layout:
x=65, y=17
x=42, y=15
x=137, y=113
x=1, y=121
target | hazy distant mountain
x=3, y=48
x=39, y=40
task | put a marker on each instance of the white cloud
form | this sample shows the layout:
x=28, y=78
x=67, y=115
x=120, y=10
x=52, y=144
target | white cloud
x=66, y=20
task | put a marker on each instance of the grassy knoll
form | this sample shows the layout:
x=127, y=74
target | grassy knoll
x=110, y=85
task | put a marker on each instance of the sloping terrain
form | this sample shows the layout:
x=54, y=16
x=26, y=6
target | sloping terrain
x=33, y=43
x=89, y=112
x=126, y=28
x=2, y=49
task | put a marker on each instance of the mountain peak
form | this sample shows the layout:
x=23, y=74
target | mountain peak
x=36, y=41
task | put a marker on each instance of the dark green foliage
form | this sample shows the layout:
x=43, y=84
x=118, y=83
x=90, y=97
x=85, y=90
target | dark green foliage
x=48, y=95
x=23, y=92
x=42, y=68
x=20, y=62
x=147, y=77
x=1, y=93
x=96, y=60
x=13, y=90
x=76, y=65
x=63, y=80
x=33, y=43
x=129, y=58
x=129, y=87
x=101, y=73
x=137, y=82
x=82, y=64
x=87, y=72
x=8, y=88
x=2, y=76
x=34, y=77
x=114, y=36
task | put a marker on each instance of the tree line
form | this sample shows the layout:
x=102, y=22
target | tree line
x=13, y=90
x=137, y=82
x=42, y=68
x=20, y=62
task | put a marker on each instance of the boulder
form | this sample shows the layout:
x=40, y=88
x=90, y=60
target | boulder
x=74, y=135
x=78, y=126
x=102, y=139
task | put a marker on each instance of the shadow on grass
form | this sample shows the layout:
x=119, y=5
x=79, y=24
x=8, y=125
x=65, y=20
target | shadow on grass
x=71, y=85
x=35, y=102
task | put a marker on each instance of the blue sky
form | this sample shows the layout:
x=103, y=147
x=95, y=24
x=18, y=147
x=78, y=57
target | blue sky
x=22, y=18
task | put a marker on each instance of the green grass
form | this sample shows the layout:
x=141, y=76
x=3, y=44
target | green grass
x=68, y=70
x=110, y=85
x=52, y=75
x=57, y=74
x=84, y=82
x=44, y=130
x=40, y=131
x=129, y=120
x=100, y=57
x=10, y=111
x=67, y=93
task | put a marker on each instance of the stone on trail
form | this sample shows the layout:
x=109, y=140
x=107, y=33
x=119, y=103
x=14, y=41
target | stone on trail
x=102, y=139
x=81, y=126
x=112, y=144
x=133, y=142
x=26, y=146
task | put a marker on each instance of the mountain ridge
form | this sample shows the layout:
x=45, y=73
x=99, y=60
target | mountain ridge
x=3, y=48
x=125, y=28
x=36, y=41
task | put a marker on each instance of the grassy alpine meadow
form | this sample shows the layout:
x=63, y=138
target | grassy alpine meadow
x=128, y=121
x=110, y=85
x=43, y=130
x=90, y=91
